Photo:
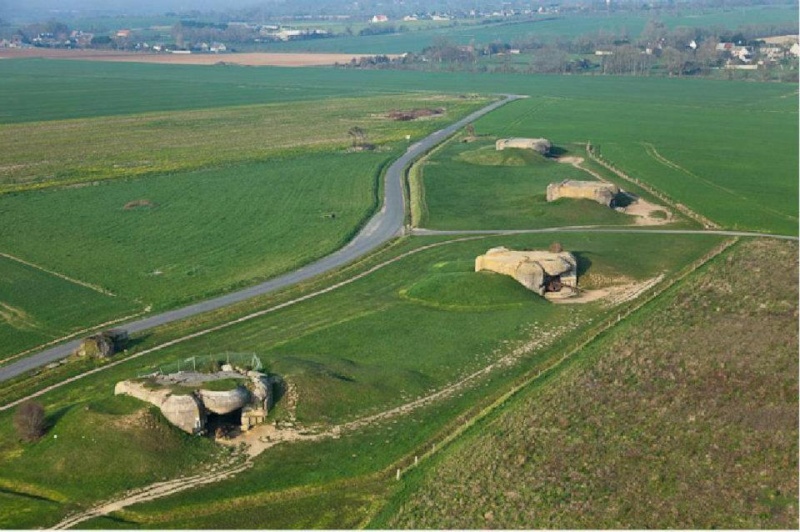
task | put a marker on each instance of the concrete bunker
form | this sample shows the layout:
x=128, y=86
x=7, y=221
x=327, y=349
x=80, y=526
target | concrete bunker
x=541, y=145
x=191, y=401
x=604, y=193
x=549, y=274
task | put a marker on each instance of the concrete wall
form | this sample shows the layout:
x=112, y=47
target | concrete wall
x=530, y=268
x=603, y=193
x=540, y=145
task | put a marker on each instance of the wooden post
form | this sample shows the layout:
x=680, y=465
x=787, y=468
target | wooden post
x=398, y=473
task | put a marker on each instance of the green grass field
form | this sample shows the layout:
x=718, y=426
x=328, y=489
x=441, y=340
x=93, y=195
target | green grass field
x=473, y=186
x=737, y=155
x=164, y=208
x=652, y=428
x=37, y=307
x=404, y=331
x=410, y=328
x=197, y=233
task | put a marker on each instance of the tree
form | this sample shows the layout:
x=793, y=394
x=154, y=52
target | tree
x=358, y=135
x=29, y=421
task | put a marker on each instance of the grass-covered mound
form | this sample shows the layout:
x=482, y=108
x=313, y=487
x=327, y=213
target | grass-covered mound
x=489, y=156
x=90, y=451
x=469, y=291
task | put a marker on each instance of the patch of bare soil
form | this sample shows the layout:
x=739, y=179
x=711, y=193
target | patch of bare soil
x=612, y=295
x=138, y=204
x=414, y=114
x=647, y=213
x=245, y=59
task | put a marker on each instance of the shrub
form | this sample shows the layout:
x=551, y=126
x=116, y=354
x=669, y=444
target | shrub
x=29, y=421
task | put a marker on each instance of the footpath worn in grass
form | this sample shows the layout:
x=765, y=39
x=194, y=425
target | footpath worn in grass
x=89, y=451
x=685, y=417
x=474, y=186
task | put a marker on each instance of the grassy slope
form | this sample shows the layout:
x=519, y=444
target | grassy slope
x=652, y=429
x=356, y=351
x=37, y=307
x=472, y=186
x=99, y=447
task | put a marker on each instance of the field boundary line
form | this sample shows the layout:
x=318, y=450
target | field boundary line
x=90, y=286
x=236, y=321
x=71, y=336
x=705, y=222
x=608, y=324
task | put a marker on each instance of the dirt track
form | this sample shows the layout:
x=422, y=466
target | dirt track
x=244, y=59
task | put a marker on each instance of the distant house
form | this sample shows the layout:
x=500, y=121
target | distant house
x=795, y=50
x=603, y=52
x=123, y=34
x=379, y=18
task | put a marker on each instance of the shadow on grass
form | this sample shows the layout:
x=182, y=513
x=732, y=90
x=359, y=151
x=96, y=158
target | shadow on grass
x=584, y=262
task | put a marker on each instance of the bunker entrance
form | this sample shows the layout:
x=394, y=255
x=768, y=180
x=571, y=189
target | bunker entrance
x=224, y=425
x=553, y=284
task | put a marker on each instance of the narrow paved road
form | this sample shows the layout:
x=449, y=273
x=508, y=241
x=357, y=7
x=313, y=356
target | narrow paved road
x=385, y=225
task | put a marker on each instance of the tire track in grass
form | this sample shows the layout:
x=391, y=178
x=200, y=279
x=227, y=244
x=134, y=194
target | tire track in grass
x=90, y=286
x=650, y=149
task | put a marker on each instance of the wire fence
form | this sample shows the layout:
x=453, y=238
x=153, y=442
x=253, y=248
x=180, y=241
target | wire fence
x=205, y=364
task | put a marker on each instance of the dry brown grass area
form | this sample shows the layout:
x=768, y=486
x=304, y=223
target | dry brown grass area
x=246, y=59
x=686, y=417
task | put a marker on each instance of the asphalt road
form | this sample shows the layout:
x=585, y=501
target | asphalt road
x=385, y=225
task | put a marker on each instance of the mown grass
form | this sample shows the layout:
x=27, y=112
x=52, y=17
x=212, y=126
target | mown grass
x=356, y=351
x=79, y=150
x=37, y=307
x=200, y=233
x=683, y=417
x=473, y=186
